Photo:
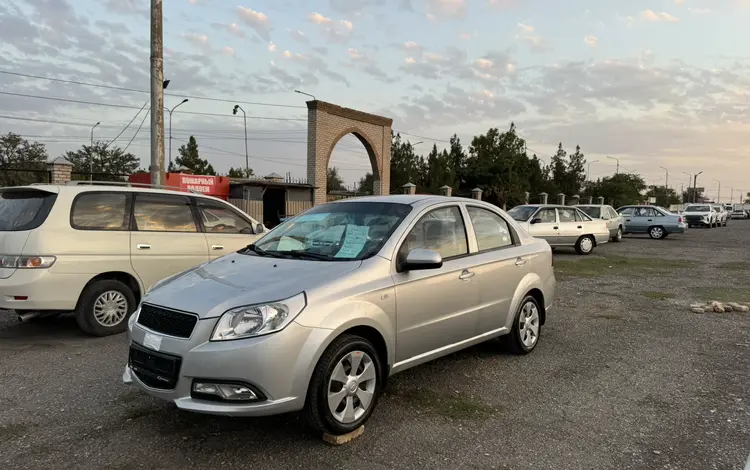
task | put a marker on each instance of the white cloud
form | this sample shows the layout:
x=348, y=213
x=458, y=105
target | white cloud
x=227, y=50
x=591, y=41
x=699, y=11
x=200, y=40
x=447, y=8
x=526, y=29
x=298, y=35
x=271, y=47
x=527, y=34
x=258, y=21
x=354, y=54
x=335, y=30
x=650, y=15
x=319, y=19
x=679, y=2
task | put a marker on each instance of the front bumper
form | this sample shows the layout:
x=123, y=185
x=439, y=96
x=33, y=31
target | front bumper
x=42, y=289
x=279, y=365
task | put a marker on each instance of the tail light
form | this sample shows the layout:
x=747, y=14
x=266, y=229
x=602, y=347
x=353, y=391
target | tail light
x=679, y=220
x=26, y=262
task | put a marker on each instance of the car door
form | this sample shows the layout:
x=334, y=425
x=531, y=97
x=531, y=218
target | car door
x=436, y=307
x=501, y=262
x=611, y=217
x=547, y=228
x=627, y=219
x=571, y=225
x=165, y=239
x=226, y=229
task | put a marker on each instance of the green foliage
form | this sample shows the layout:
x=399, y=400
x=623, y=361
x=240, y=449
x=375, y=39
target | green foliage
x=366, y=184
x=335, y=181
x=619, y=190
x=190, y=158
x=406, y=166
x=17, y=153
x=102, y=162
x=240, y=172
x=664, y=196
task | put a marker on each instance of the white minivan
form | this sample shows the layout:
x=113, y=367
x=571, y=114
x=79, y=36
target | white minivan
x=96, y=249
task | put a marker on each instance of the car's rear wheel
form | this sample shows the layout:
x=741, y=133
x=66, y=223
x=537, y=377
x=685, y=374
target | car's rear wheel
x=104, y=308
x=585, y=245
x=345, y=386
x=527, y=326
x=657, y=232
x=618, y=236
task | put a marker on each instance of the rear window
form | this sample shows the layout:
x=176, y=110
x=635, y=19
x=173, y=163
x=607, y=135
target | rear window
x=100, y=211
x=24, y=209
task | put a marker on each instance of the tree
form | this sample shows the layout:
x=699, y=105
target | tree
x=190, y=159
x=335, y=182
x=406, y=166
x=747, y=198
x=240, y=172
x=618, y=190
x=366, y=184
x=16, y=154
x=664, y=196
x=102, y=162
x=568, y=171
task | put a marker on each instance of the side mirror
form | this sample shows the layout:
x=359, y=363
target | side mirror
x=420, y=259
x=260, y=228
x=536, y=220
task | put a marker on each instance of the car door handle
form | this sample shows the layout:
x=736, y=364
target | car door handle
x=466, y=275
x=649, y=220
x=143, y=246
x=520, y=262
x=580, y=226
x=217, y=247
x=555, y=228
x=627, y=220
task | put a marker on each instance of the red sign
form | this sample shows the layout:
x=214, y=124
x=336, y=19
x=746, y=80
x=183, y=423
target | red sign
x=217, y=186
x=199, y=183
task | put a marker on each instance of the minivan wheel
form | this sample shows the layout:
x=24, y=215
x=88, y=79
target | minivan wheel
x=344, y=387
x=585, y=245
x=527, y=326
x=104, y=308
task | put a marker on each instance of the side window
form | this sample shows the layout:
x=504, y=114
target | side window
x=612, y=213
x=658, y=213
x=441, y=230
x=548, y=216
x=100, y=211
x=567, y=215
x=218, y=219
x=627, y=212
x=162, y=213
x=491, y=230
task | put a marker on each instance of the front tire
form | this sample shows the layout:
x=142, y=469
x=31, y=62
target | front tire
x=527, y=326
x=585, y=245
x=345, y=386
x=104, y=308
x=657, y=232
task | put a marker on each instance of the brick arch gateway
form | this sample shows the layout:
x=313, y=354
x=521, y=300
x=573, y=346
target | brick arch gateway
x=326, y=124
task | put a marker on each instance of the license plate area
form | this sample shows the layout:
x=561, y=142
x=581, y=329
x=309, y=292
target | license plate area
x=155, y=369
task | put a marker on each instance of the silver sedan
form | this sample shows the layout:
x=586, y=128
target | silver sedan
x=317, y=314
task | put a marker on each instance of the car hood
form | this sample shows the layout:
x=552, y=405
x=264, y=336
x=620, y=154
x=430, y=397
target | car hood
x=211, y=289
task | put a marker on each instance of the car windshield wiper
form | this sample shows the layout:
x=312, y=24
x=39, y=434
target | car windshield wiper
x=261, y=252
x=302, y=254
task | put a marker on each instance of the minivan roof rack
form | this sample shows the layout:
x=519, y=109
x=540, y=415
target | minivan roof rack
x=129, y=184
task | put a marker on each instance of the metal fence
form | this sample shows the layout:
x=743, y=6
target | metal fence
x=21, y=177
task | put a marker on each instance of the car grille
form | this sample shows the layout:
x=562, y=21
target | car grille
x=167, y=322
x=693, y=218
x=157, y=370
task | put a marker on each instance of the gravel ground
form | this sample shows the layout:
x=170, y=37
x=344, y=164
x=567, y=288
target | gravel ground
x=625, y=377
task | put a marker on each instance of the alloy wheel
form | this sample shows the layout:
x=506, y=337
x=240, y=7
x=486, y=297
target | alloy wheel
x=110, y=308
x=528, y=324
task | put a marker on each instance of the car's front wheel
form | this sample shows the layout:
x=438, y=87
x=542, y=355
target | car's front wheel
x=345, y=386
x=527, y=326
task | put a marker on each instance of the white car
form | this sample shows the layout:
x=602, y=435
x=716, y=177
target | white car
x=96, y=250
x=700, y=214
x=721, y=214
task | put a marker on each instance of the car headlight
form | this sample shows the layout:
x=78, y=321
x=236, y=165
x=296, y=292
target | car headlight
x=256, y=320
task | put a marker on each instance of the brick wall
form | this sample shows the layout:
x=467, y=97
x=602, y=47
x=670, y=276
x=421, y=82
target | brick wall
x=60, y=171
x=327, y=124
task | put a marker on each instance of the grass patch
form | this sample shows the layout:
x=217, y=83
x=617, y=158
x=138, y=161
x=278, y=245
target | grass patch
x=602, y=265
x=656, y=295
x=449, y=405
x=735, y=266
x=722, y=294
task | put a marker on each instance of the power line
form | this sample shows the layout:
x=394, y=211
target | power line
x=126, y=127
x=125, y=106
x=112, y=87
x=137, y=131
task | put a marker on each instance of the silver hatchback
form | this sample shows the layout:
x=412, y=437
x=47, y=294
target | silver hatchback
x=322, y=310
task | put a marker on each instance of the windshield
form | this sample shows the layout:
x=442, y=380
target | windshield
x=592, y=211
x=24, y=209
x=335, y=232
x=522, y=213
x=697, y=209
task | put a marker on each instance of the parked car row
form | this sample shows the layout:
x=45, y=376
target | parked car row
x=586, y=226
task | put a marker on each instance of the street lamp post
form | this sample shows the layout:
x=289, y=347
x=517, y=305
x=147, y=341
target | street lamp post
x=718, y=193
x=695, y=186
x=306, y=94
x=666, y=177
x=588, y=171
x=618, y=163
x=170, y=128
x=247, y=157
x=91, y=155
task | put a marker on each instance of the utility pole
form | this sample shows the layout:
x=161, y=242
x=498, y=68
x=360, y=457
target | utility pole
x=91, y=156
x=718, y=193
x=157, y=95
x=588, y=171
x=617, y=171
x=666, y=177
x=247, y=157
x=695, y=186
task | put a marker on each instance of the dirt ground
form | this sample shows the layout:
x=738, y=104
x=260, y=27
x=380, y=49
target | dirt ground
x=625, y=377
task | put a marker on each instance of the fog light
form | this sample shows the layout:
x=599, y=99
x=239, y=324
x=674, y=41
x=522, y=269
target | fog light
x=229, y=392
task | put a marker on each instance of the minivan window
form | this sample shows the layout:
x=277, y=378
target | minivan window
x=24, y=209
x=340, y=231
x=100, y=211
x=157, y=213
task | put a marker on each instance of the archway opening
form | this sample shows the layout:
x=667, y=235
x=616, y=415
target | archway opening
x=352, y=168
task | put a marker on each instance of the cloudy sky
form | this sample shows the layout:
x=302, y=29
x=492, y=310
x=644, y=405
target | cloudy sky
x=651, y=82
